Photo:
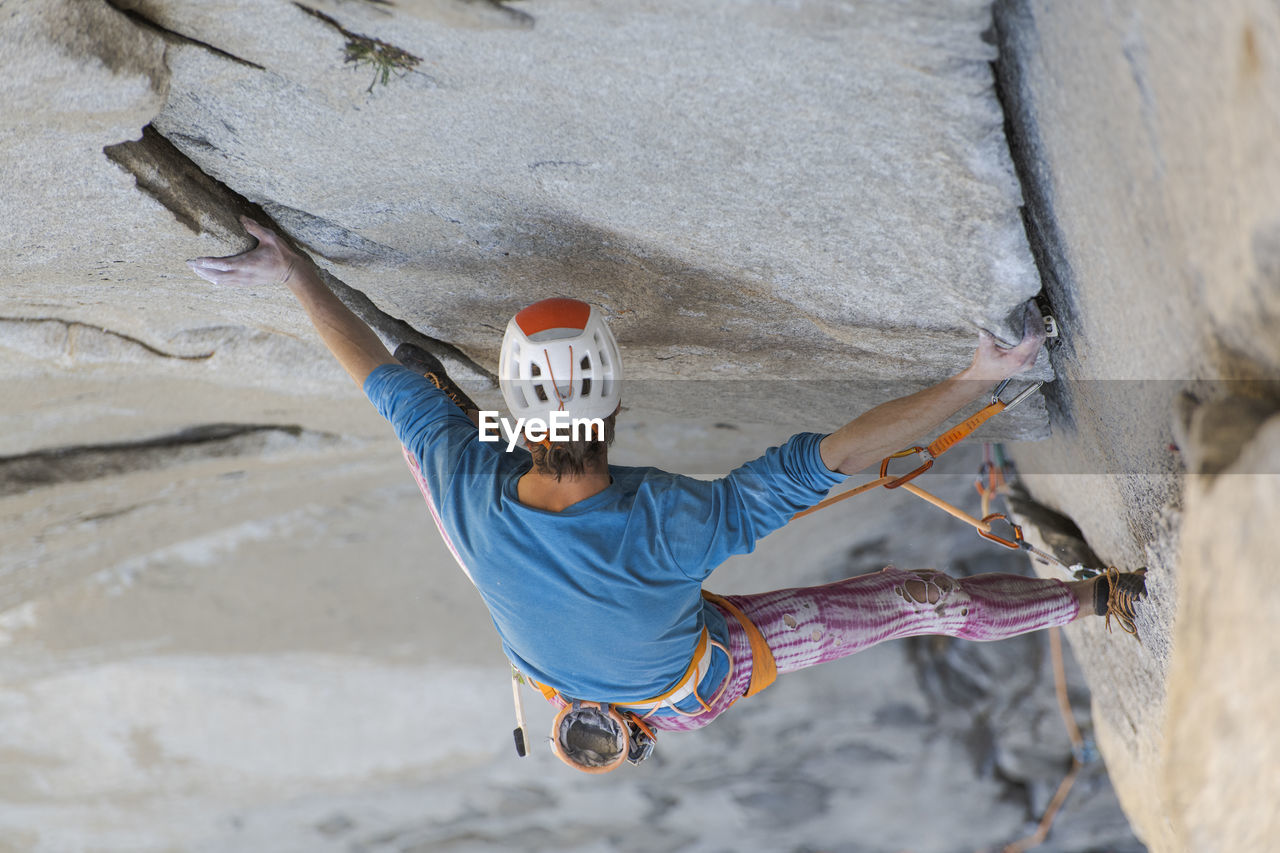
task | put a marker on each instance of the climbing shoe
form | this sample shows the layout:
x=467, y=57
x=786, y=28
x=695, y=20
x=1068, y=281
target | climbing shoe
x=1116, y=595
x=420, y=361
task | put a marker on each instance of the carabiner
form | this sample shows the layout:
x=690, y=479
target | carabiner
x=1024, y=394
x=910, y=475
x=1017, y=541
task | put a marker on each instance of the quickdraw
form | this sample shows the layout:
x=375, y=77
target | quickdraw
x=992, y=470
x=936, y=448
x=955, y=435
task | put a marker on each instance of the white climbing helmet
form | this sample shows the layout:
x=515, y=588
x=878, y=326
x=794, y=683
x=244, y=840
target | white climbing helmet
x=558, y=355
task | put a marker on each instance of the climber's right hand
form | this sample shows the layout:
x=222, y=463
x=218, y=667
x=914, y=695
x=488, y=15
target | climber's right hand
x=271, y=263
x=994, y=363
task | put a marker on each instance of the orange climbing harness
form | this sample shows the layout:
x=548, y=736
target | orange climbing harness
x=764, y=669
x=635, y=713
x=688, y=683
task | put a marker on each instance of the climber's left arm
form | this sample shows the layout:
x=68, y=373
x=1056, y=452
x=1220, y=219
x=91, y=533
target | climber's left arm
x=273, y=263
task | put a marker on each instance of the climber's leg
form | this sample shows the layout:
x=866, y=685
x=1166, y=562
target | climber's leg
x=1085, y=593
x=812, y=625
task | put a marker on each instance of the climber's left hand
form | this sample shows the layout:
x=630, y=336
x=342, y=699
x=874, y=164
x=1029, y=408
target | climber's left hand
x=271, y=263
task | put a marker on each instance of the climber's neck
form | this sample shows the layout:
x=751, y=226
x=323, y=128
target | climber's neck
x=543, y=491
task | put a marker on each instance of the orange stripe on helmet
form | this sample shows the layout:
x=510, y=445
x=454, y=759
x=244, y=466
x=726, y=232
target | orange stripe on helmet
x=557, y=313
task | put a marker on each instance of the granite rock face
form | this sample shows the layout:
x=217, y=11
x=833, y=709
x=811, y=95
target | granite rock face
x=293, y=682
x=208, y=532
x=1221, y=756
x=1145, y=134
x=821, y=193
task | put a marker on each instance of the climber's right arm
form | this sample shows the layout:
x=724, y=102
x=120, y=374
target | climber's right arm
x=890, y=426
x=272, y=262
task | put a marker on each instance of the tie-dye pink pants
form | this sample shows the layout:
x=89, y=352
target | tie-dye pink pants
x=813, y=625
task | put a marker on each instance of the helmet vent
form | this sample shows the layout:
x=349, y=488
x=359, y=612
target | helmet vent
x=585, y=364
x=542, y=394
x=535, y=370
x=586, y=385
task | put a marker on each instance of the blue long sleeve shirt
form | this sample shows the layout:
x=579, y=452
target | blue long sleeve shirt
x=602, y=600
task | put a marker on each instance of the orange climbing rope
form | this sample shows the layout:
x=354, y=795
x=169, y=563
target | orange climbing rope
x=995, y=484
x=1077, y=749
x=993, y=469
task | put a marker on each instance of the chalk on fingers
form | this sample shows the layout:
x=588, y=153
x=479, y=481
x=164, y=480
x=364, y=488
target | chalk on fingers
x=208, y=275
x=209, y=264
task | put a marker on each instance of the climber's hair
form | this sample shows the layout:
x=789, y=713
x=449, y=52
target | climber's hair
x=573, y=458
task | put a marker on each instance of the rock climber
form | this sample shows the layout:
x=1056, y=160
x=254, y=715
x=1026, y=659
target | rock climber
x=593, y=573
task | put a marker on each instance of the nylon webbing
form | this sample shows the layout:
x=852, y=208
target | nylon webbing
x=960, y=431
x=764, y=669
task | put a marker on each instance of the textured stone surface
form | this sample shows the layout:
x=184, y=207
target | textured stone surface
x=256, y=641
x=261, y=683
x=819, y=193
x=1146, y=133
x=1221, y=757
